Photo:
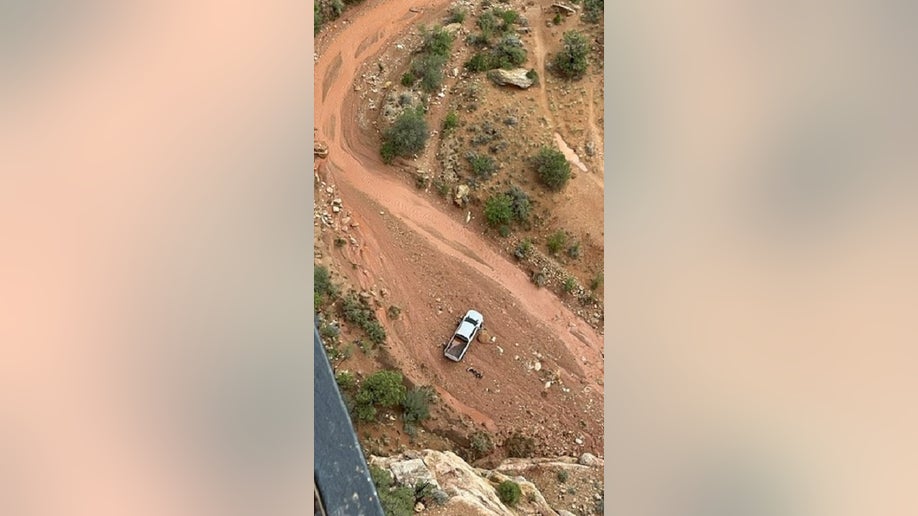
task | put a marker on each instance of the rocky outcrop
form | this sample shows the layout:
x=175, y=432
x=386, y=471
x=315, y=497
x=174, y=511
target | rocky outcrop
x=473, y=491
x=517, y=77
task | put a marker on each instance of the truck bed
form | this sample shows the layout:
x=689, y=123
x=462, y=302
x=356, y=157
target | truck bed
x=454, y=347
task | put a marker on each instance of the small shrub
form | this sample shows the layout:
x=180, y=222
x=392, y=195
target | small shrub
x=520, y=446
x=480, y=62
x=574, y=250
x=562, y=475
x=481, y=444
x=592, y=11
x=439, y=496
x=345, y=380
x=571, y=61
x=570, y=284
x=533, y=76
x=504, y=231
x=420, y=181
x=478, y=40
x=552, y=168
x=521, y=205
x=557, y=19
x=483, y=166
x=508, y=52
x=487, y=22
x=523, y=249
x=407, y=136
x=436, y=41
x=451, y=121
x=596, y=282
x=322, y=284
x=382, y=388
x=429, y=68
x=395, y=501
x=416, y=405
x=340, y=241
x=329, y=332
x=498, y=210
x=509, y=492
x=442, y=187
x=456, y=15
x=408, y=79
x=508, y=17
x=556, y=241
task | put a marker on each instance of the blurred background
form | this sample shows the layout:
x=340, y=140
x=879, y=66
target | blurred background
x=762, y=258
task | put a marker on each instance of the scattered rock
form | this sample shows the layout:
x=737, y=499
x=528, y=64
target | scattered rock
x=462, y=195
x=590, y=148
x=453, y=28
x=516, y=77
x=588, y=459
x=419, y=507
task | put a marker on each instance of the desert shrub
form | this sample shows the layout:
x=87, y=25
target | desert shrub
x=556, y=241
x=552, y=168
x=357, y=312
x=483, y=166
x=478, y=40
x=569, y=284
x=439, y=496
x=480, y=62
x=523, y=249
x=480, y=443
x=451, y=121
x=408, y=79
x=539, y=278
x=337, y=7
x=562, y=475
x=328, y=332
x=345, y=380
x=416, y=405
x=393, y=312
x=322, y=284
x=436, y=41
x=318, y=18
x=519, y=446
x=557, y=19
x=533, y=76
x=498, y=210
x=596, y=282
x=340, y=241
x=592, y=11
x=395, y=501
x=442, y=187
x=456, y=15
x=507, y=16
x=571, y=60
x=380, y=389
x=429, y=68
x=574, y=250
x=520, y=204
x=509, y=492
x=508, y=52
x=487, y=22
x=504, y=231
x=406, y=137
x=316, y=301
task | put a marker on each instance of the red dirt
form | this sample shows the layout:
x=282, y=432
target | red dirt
x=421, y=254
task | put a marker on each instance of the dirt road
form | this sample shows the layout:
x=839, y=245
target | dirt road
x=434, y=267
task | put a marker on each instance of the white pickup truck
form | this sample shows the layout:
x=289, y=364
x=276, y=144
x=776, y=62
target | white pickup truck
x=468, y=328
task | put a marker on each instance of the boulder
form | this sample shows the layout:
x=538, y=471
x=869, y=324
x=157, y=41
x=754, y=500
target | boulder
x=588, y=459
x=462, y=194
x=516, y=77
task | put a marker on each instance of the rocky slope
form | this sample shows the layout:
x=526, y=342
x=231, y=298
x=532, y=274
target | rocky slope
x=550, y=486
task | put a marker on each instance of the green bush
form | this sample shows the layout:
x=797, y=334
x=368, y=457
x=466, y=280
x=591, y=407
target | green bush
x=480, y=62
x=393, y=312
x=456, y=15
x=570, y=284
x=509, y=492
x=508, y=53
x=318, y=18
x=562, y=475
x=408, y=79
x=357, y=312
x=503, y=231
x=416, y=405
x=395, y=501
x=508, y=16
x=574, y=250
x=478, y=40
x=380, y=389
x=519, y=446
x=571, y=61
x=533, y=76
x=429, y=68
x=498, y=210
x=436, y=41
x=552, y=168
x=481, y=444
x=483, y=166
x=407, y=136
x=521, y=206
x=345, y=380
x=596, y=282
x=592, y=11
x=451, y=121
x=556, y=241
x=523, y=249
x=557, y=19
x=322, y=284
x=487, y=22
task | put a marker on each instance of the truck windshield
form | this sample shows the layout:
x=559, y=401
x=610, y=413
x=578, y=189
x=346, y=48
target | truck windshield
x=470, y=320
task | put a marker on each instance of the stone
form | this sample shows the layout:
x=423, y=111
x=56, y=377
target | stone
x=590, y=148
x=462, y=193
x=516, y=77
x=336, y=208
x=419, y=507
x=453, y=28
x=588, y=459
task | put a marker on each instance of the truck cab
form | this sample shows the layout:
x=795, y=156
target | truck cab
x=469, y=326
